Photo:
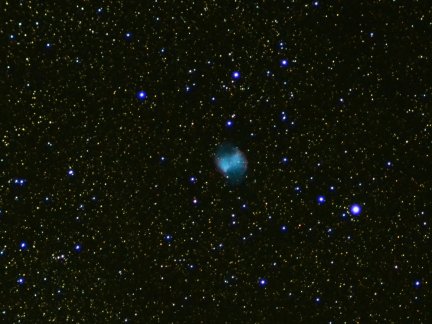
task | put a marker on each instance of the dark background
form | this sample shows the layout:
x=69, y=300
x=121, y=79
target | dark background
x=356, y=94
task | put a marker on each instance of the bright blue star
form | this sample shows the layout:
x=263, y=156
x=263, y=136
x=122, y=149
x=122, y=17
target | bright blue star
x=284, y=62
x=283, y=228
x=71, y=172
x=23, y=246
x=168, y=238
x=229, y=123
x=128, y=35
x=321, y=200
x=417, y=283
x=193, y=179
x=21, y=280
x=355, y=209
x=141, y=95
x=77, y=247
x=235, y=75
x=262, y=282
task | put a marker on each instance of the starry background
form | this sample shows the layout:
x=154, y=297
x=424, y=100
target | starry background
x=112, y=209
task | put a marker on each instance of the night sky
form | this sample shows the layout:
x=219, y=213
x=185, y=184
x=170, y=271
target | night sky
x=215, y=161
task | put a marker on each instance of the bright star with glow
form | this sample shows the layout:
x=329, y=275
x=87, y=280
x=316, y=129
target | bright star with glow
x=235, y=75
x=355, y=209
x=23, y=246
x=284, y=62
x=141, y=95
x=321, y=200
x=21, y=280
x=193, y=179
x=71, y=172
x=262, y=282
x=417, y=283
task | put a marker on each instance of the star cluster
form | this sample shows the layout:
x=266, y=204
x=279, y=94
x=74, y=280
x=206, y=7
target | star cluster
x=188, y=162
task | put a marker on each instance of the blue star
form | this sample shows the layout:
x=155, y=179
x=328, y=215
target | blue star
x=417, y=283
x=229, y=123
x=23, y=246
x=262, y=282
x=284, y=229
x=128, y=35
x=141, y=95
x=193, y=179
x=71, y=172
x=355, y=209
x=21, y=280
x=168, y=238
x=284, y=62
x=77, y=247
x=321, y=200
x=235, y=75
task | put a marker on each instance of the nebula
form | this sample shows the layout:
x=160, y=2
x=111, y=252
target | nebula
x=231, y=162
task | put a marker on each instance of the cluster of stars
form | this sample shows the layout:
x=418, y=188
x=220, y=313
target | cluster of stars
x=273, y=230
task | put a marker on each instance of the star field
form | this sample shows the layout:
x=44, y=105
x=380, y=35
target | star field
x=117, y=199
